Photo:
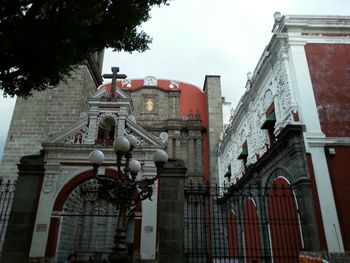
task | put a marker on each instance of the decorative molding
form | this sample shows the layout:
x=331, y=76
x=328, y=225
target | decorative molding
x=174, y=84
x=150, y=81
x=126, y=83
x=79, y=137
x=164, y=137
x=140, y=141
x=267, y=100
x=49, y=183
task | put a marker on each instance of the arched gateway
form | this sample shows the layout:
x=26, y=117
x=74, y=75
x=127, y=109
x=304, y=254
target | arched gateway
x=85, y=223
x=70, y=216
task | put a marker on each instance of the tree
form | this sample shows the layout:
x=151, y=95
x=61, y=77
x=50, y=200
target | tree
x=42, y=41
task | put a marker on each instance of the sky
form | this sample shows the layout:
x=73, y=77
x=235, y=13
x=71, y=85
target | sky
x=194, y=38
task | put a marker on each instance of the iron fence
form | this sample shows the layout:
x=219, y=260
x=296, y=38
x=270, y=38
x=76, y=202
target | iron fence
x=252, y=225
x=7, y=191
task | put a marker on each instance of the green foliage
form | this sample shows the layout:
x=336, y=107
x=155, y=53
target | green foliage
x=41, y=41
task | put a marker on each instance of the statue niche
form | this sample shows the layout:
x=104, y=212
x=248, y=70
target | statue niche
x=106, y=131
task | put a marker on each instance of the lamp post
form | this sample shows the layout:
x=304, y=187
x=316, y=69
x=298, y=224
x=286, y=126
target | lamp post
x=125, y=188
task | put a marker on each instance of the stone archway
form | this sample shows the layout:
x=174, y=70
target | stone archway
x=82, y=223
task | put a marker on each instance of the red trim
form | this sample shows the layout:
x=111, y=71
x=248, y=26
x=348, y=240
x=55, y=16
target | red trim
x=326, y=34
x=52, y=237
x=318, y=215
x=270, y=109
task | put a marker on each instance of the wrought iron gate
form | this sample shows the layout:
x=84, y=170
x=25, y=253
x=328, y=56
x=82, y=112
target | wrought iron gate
x=88, y=224
x=242, y=224
x=7, y=192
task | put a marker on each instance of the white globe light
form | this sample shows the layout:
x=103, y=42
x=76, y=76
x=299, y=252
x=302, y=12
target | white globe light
x=121, y=145
x=160, y=157
x=96, y=157
x=132, y=139
x=134, y=166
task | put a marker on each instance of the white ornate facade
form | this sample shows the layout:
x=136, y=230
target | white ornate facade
x=298, y=82
x=269, y=85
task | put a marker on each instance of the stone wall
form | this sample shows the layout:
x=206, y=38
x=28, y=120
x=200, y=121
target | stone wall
x=212, y=88
x=185, y=139
x=171, y=212
x=44, y=114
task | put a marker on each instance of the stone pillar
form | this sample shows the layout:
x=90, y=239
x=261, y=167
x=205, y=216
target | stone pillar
x=171, y=212
x=191, y=154
x=306, y=207
x=199, y=160
x=20, y=227
x=212, y=88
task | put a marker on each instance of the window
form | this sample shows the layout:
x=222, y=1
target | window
x=269, y=123
x=228, y=173
x=244, y=154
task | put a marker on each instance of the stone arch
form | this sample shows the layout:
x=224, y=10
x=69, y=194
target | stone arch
x=55, y=221
x=278, y=172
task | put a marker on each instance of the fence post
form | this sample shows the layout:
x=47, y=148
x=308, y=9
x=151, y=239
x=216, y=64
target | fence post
x=171, y=212
x=21, y=223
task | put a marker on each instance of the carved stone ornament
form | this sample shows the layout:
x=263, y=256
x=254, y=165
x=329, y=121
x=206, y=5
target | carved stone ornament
x=49, y=183
x=126, y=83
x=267, y=100
x=150, y=81
x=174, y=84
x=79, y=137
x=140, y=141
x=283, y=90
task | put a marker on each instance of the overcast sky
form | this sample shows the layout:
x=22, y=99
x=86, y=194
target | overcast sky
x=194, y=38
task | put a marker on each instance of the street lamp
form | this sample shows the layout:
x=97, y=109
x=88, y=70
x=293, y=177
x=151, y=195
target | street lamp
x=125, y=188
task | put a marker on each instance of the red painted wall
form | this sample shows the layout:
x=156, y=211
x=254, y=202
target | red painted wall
x=339, y=170
x=329, y=66
x=316, y=202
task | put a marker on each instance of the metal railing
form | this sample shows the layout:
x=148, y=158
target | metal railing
x=7, y=192
x=250, y=225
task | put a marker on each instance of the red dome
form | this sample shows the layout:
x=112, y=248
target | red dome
x=192, y=99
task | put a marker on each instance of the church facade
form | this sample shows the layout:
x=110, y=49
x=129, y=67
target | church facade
x=290, y=132
x=63, y=125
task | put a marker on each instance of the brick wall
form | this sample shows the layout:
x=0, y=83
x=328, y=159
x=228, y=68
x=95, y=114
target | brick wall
x=45, y=113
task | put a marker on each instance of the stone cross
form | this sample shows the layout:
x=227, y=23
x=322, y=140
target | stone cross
x=114, y=76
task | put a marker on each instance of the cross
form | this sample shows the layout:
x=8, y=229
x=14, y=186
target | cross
x=114, y=76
